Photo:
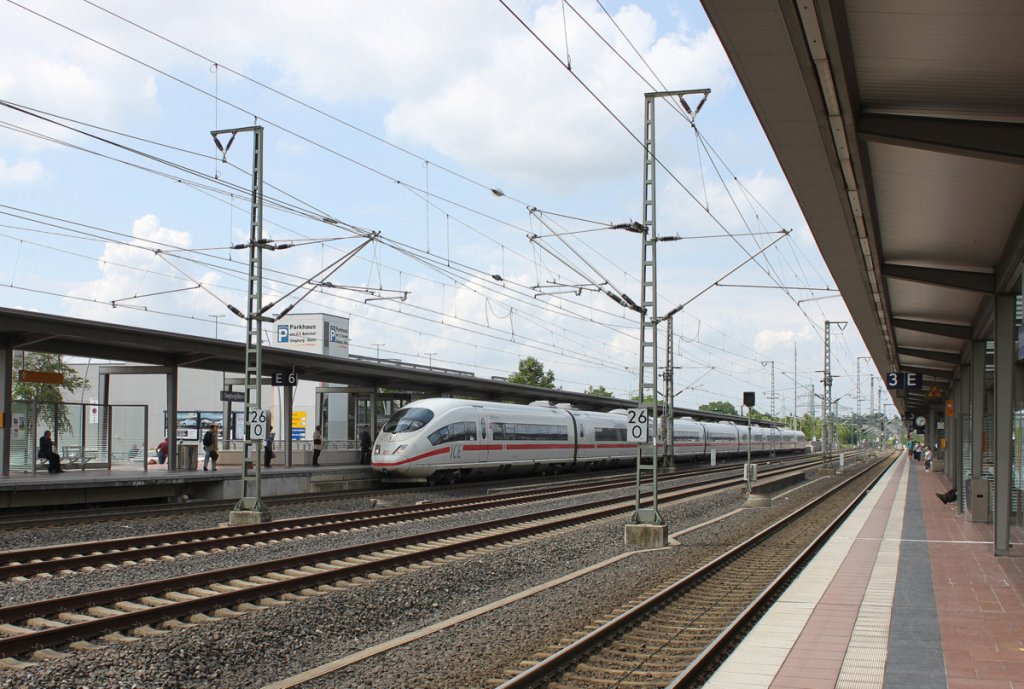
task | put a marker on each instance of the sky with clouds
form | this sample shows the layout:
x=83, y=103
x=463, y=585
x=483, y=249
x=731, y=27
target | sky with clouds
x=471, y=155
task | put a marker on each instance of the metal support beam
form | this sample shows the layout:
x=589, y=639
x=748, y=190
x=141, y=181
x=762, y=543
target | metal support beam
x=135, y=370
x=1005, y=352
x=670, y=395
x=977, y=405
x=249, y=507
x=960, y=332
x=1001, y=141
x=937, y=374
x=286, y=423
x=931, y=355
x=172, y=420
x=6, y=404
x=942, y=277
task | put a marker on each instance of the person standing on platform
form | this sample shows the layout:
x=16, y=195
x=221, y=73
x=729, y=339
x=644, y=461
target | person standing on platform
x=210, y=446
x=46, y=452
x=928, y=459
x=318, y=444
x=268, y=448
x=365, y=441
x=161, y=451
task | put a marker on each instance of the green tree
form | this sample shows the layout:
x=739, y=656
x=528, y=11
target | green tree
x=47, y=396
x=719, y=408
x=600, y=391
x=760, y=416
x=531, y=372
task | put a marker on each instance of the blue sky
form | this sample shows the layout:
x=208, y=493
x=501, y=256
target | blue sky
x=399, y=118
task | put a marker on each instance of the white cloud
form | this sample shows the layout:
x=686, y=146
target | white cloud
x=21, y=172
x=131, y=273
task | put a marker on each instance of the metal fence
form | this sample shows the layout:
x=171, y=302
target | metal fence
x=86, y=436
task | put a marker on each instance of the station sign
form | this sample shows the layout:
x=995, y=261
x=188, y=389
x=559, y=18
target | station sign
x=903, y=380
x=232, y=396
x=43, y=377
x=636, y=425
x=257, y=421
x=289, y=379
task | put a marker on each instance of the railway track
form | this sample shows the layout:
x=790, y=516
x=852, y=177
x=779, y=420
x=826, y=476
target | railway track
x=109, y=614
x=144, y=511
x=15, y=564
x=667, y=639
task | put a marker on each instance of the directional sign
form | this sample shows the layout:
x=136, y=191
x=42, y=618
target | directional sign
x=289, y=379
x=636, y=425
x=903, y=380
x=257, y=422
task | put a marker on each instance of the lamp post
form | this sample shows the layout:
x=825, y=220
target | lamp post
x=430, y=358
x=378, y=345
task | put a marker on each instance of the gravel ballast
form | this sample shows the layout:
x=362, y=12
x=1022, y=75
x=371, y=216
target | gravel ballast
x=258, y=648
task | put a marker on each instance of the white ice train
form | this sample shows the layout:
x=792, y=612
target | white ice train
x=448, y=439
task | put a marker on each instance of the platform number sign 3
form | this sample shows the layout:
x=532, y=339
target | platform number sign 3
x=257, y=422
x=636, y=425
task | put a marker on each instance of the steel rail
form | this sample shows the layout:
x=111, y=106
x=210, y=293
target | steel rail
x=47, y=559
x=543, y=670
x=540, y=522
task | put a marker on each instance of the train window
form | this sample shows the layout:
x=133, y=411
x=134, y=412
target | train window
x=408, y=419
x=529, y=431
x=609, y=434
x=453, y=433
x=441, y=435
x=463, y=430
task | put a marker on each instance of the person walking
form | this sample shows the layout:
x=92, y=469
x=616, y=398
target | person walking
x=268, y=448
x=318, y=444
x=46, y=452
x=210, y=445
x=365, y=441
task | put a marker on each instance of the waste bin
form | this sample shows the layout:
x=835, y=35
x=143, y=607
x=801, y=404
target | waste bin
x=188, y=456
x=981, y=489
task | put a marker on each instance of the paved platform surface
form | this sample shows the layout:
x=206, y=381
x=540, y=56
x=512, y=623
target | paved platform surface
x=129, y=483
x=907, y=595
x=159, y=472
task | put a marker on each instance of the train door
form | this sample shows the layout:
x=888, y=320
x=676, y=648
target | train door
x=482, y=454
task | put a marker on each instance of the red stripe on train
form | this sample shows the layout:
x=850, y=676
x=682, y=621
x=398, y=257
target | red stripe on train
x=432, y=453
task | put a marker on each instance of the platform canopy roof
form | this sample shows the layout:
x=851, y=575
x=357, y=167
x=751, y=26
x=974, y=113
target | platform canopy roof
x=900, y=127
x=81, y=338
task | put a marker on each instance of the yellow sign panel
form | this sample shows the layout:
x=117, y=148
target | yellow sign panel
x=949, y=407
x=298, y=419
x=934, y=391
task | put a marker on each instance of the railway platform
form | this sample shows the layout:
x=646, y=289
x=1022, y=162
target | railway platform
x=126, y=484
x=907, y=595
